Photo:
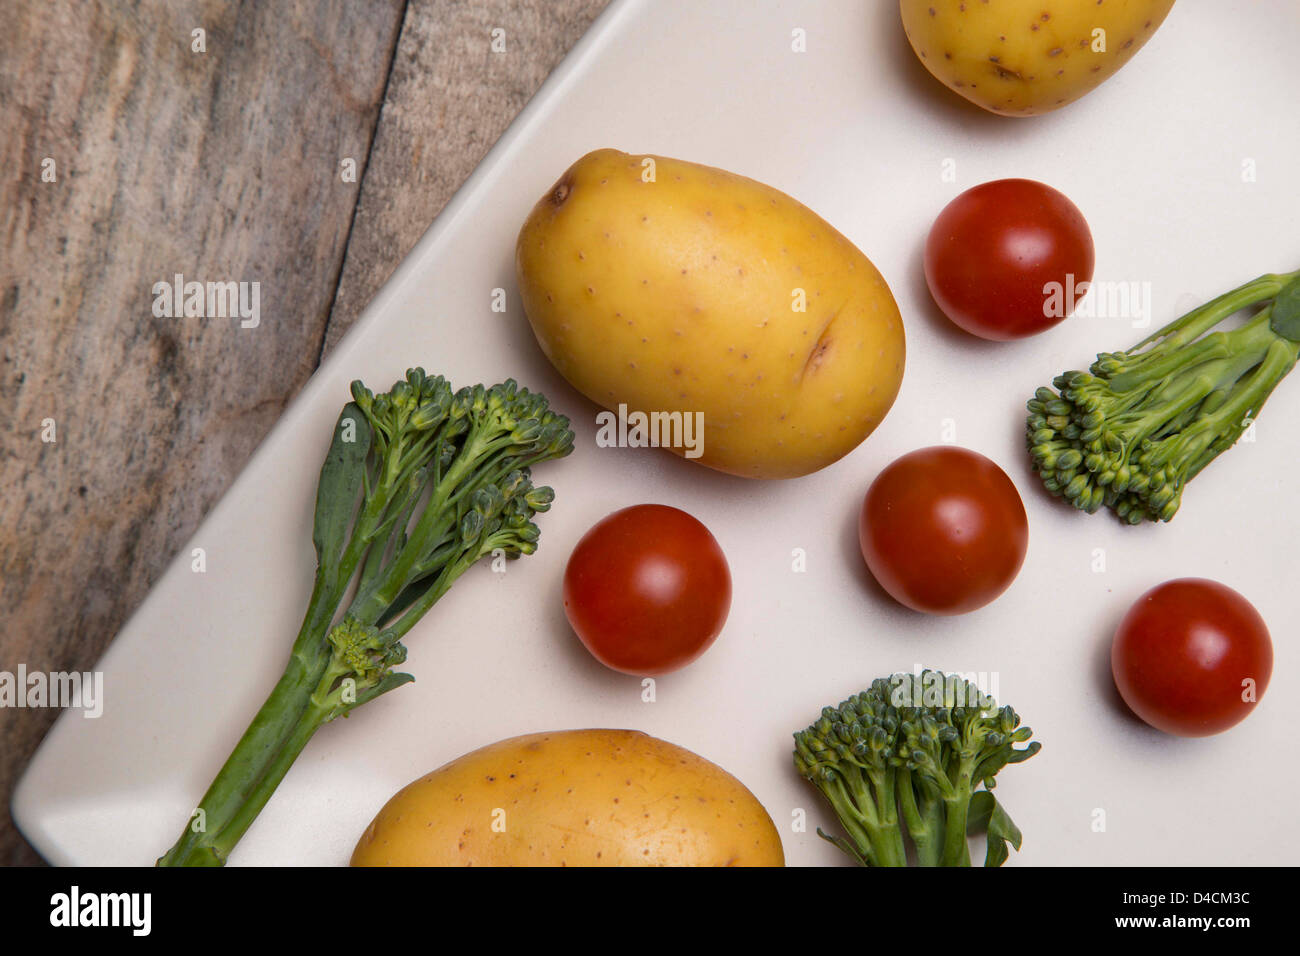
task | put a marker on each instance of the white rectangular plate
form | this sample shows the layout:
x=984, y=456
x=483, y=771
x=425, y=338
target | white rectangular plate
x=857, y=130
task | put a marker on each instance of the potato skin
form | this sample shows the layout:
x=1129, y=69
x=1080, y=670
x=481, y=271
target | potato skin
x=1023, y=57
x=574, y=798
x=678, y=295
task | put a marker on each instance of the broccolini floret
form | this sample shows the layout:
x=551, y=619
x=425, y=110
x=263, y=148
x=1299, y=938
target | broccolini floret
x=419, y=483
x=912, y=750
x=1131, y=433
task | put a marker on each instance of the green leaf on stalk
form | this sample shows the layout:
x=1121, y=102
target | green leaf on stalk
x=850, y=848
x=986, y=815
x=388, y=682
x=1285, y=319
x=341, y=479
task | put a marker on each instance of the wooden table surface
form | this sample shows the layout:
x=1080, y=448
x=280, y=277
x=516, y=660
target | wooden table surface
x=129, y=155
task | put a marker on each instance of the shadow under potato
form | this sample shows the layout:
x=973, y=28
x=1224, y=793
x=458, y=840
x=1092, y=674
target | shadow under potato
x=921, y=87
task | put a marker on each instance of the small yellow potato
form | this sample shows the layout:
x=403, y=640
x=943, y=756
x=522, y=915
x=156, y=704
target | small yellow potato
x=676, y=289
x=574, y=798
x=1022, y=57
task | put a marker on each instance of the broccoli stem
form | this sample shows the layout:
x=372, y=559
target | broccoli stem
x=888, y=839
x=956, y=851
x=1200, y=320
x=867, y=800
x=241, y=774
x=1220, y=430
x=297, y=707
x=924, y=819
x=275, y=722
x=432, y=594
x=852, y=818
x=251, y=800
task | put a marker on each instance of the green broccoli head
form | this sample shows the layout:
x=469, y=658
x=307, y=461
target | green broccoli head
x=913, y=749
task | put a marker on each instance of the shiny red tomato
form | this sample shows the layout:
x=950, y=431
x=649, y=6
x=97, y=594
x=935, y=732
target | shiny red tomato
x=943, y=530
x=1005, y=260
x=647, y=590
x=1191, y=657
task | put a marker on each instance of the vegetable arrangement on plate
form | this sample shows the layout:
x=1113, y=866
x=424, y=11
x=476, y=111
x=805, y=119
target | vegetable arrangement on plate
x=676, y=289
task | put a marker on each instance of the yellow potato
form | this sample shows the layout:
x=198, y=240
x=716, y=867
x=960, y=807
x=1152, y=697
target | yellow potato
x=575, y=798
x=671, y=287
x=1021, y=57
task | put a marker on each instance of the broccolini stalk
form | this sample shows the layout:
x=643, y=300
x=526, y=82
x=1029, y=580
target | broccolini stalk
x=1131, y=433
x=915, y=748
x=418, y=484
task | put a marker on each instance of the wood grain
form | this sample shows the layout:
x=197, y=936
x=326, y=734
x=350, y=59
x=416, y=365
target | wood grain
x=450, y=97
x=221, y=165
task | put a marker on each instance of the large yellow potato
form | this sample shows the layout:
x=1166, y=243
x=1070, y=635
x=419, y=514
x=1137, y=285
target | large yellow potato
x=1021, y=57
x=671, y=287
x=574, y=798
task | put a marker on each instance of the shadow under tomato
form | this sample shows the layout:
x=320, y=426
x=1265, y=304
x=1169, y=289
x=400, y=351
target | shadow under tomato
x=573, y=651
x=851, y=555
x=1102, y=677
x=949, y=331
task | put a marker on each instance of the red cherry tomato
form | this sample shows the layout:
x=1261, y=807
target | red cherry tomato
x=647, y=590
x=943, y=530
x=1190, y=655
x=994, y=252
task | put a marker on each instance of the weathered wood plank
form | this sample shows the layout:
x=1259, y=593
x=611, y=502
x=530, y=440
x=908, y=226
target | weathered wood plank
x=221, y=165
x=450, y=97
